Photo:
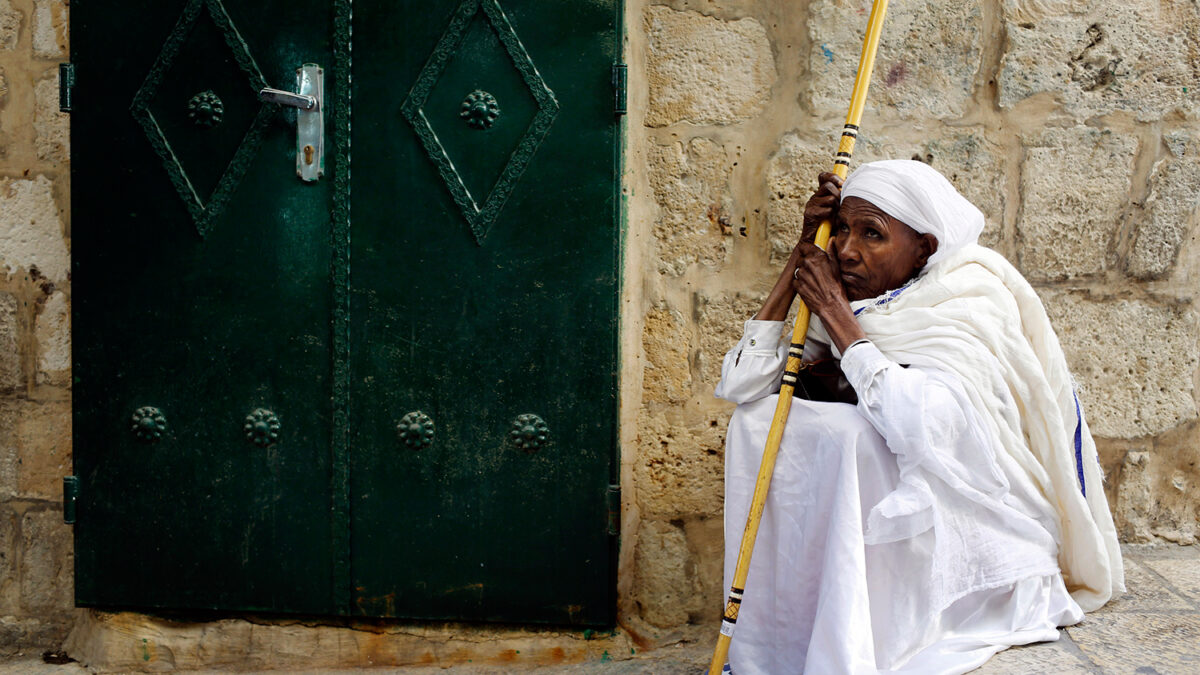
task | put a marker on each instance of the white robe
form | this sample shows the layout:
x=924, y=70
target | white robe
x=917, y=531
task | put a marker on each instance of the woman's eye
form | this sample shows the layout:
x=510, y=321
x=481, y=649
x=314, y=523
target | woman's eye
x=873, y=233
x=842, y=227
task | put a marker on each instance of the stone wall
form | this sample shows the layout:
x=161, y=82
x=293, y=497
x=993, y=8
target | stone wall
x=1073, y=124
x=36, y=596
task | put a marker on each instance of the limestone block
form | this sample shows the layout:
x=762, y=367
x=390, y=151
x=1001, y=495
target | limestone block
x=705, y=70
x=1140, y=643
x=691, y=187
x=25, y=635
x=30, y=229
x=706, y=541
x=791, y=178
x=10, y=356
x=49, y=28
x=973, y=164
x=665, y=583
x=720, y=321
x=680, y=470
x=54, y=340
x=9, y=580
x=928, y=56
x=1135, y=502
x=47, y=561
x=976, y=167
x=10, y=25
x=51, y=126
x=1158, y=494
x=666, y=342
x=1170, y=210
x=35, y=444
x=1101, y=56
x=128, y=642
x=1133, y=360
x=1075, y=183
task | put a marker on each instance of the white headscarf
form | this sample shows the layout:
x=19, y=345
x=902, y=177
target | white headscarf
x=918, y=196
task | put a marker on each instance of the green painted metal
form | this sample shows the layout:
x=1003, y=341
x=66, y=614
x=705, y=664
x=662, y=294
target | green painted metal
x=66, y=80
x=262, y=427
x=202, y=292
x=70, y=498
x=484, y=295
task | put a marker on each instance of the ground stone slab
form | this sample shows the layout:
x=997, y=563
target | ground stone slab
x=1144, y=593
x=1045, y=658
x=704, y=70
x=926, y=65
x=1133, y=360
x=1183, y=575
x=1141, y=643
x=1075, y=184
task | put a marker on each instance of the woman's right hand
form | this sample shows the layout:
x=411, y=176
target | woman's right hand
x=822, y=206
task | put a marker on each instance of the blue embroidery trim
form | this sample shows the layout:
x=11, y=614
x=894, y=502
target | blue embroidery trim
x=1079, y=444
x=882, y=301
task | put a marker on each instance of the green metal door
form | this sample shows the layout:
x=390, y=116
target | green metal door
x=202, y=298
x=259, y=424
x=483, y=310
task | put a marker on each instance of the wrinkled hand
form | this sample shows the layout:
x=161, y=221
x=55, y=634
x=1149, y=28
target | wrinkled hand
x=823, y=205
x=818, y=281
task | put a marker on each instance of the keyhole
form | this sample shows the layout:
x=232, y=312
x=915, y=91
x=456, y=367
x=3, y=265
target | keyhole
x=308, y=154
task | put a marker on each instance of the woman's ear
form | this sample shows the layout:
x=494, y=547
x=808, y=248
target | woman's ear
x=928, y=245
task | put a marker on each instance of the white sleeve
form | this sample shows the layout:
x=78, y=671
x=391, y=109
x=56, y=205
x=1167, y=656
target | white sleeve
x=753, y=368
x=925, y=416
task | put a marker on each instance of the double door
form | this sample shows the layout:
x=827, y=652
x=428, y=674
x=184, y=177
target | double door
x=386, y=392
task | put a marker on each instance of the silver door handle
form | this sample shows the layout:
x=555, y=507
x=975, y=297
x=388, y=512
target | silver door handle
x=308, y=100
x=287, y=98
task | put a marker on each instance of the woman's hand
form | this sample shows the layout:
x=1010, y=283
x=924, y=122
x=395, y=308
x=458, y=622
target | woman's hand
x=822, y=206
x=817, y=280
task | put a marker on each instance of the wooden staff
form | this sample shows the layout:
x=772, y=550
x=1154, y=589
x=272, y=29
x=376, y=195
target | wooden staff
x=841, y=166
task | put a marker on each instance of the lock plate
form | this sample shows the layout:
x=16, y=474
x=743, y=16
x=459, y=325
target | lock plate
x=310, y=123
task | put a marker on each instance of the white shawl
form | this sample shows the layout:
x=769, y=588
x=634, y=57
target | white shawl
x=974, y=316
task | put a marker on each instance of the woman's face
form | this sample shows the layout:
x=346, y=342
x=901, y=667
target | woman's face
x=876, y=252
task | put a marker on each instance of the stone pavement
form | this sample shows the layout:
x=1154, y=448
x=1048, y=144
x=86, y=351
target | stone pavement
x=1154, y=629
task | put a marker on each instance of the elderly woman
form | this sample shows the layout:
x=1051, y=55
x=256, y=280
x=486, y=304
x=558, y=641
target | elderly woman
x=945, y=501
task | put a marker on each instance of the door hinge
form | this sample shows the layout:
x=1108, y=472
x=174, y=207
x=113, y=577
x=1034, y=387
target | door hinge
x=612, y=501
x=66, y=83
x=620, y=88
x=70, y=496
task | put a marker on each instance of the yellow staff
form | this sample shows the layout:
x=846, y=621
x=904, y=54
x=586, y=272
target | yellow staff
x=841, y=166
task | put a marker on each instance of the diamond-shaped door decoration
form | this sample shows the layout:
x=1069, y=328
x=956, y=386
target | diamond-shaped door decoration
x=481, y=205
x=203, y=40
